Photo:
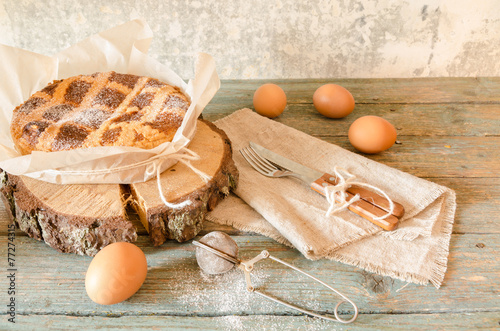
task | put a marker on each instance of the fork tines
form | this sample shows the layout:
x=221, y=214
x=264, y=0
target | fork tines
x=260, y=164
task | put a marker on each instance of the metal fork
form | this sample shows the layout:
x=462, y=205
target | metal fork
x=364, y=208
x=263, y=166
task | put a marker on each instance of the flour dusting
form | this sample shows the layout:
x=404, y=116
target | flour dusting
x=225, y=295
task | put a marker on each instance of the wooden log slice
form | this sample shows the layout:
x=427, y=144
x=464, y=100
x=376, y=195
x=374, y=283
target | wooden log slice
x=78, y=219
x=179, y=183
x=83, y=219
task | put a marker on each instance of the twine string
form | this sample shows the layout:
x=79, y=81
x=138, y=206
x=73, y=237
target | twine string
x=336, y=195
x=185, y=158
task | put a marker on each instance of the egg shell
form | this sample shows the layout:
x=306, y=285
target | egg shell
x=333, y=101
x=269, y=100
x=116, y=273
x=372, y=134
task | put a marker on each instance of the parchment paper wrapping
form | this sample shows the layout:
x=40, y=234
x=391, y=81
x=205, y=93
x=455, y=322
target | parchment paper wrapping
x=122, y=49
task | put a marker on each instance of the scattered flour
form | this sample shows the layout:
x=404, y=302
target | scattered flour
x=223, y=295
x=229, y=289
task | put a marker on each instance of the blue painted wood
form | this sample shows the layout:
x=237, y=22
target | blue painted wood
x=449, y=133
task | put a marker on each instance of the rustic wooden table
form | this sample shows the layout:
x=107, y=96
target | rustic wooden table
x=448, y=132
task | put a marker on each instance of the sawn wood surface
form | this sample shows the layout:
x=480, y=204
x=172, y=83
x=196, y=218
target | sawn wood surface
x=448, y=132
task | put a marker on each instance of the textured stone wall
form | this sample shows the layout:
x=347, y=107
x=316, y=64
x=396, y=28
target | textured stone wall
x=281, y=38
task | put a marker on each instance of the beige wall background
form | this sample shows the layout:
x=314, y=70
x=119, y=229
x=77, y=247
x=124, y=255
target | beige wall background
x=271, y=39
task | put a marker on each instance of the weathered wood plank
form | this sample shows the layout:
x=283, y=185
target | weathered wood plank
x=425, y=90
x=448, y=321
x=176, y=286
x=409, y=119
x=449, y=133
x=235, y=94
x=478, y=204
x=457, y=156
x=441, y=156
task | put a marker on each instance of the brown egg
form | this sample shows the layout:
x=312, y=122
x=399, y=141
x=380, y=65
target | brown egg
x=333, y=101
x=269, y=100
x=116, y=273
x=372, y=134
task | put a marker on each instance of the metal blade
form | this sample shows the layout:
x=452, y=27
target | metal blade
x=306, y=174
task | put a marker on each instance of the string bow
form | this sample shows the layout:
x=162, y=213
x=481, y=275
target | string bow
x=185, y=157
x=336, y=195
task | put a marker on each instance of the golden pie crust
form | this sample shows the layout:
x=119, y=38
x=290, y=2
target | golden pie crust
x=102, y=109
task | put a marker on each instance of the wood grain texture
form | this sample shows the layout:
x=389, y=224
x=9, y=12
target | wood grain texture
x=180, y=183
x=482, y=90
x=176, y=285
x=448, y=132
x=480, y=320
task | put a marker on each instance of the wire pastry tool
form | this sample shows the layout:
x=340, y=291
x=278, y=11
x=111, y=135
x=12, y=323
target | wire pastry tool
x=217, y=253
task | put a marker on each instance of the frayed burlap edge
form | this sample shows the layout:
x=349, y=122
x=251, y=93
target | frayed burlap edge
x=442, y=249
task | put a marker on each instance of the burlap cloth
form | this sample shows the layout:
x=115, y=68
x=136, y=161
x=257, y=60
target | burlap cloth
x=286, y=210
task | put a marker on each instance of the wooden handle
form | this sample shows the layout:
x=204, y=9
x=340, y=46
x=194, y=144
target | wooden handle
x=377, y=200
x=361, y=207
